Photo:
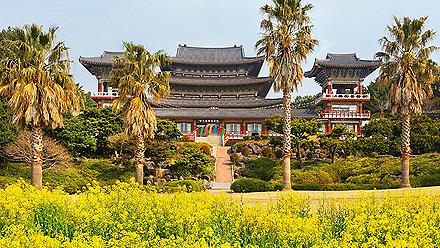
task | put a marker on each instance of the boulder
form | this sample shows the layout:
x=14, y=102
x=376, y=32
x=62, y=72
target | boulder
x=256, y=149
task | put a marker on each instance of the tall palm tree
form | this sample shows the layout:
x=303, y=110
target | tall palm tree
x=140, y=83
x=409, y=72
x=35, y=78
x=286, y=41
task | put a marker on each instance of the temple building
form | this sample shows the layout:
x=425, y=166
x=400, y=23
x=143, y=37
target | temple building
x=218, y=91
x=213, y=91
x=341, y=77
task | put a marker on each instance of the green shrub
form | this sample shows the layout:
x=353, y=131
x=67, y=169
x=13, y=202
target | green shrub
x=342, y=186
x=267, y=152
x=279, y=153
x=206, y=149
x=276, y=141
x=190, y=185
x=192, y=162
x=313, y=176
x=245, y=151
x=244, y=185
x=235, y=158
x=426, y=180
x=261, y=168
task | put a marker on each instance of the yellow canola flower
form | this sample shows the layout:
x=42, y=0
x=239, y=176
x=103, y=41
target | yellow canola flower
x=128, y=215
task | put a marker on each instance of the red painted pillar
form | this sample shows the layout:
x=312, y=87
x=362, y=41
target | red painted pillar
x=329, y=89
x=329, y=127
x=243, y=128
x=360, y=89
x=99, y=87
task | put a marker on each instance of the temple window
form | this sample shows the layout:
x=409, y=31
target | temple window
x=254, y=128
x=233, y=127
x=184, y=127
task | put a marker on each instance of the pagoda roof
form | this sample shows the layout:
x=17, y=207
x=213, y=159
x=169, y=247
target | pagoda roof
x=342, y=61
x=213, y=55
x=107, y=58
x=244, y=102
x=98, y=65
x=239, y=113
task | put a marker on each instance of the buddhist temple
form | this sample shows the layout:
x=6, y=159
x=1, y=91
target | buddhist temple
x=341, y=77
x=213, y=91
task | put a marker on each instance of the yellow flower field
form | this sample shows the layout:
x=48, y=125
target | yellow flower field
x=126, y=215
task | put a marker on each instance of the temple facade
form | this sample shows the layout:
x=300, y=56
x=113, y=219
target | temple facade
x=341, y=77
x=213, y=91
x=219, y=91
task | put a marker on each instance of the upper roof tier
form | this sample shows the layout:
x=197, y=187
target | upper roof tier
x=341, y=66
x=199, y=60
x=220, y=60
x=213, y=55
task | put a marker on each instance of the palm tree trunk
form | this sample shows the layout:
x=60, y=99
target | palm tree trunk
x=287, y=185
x=298, y=156
x=405, y=142
x=139, y=159
x=37, y=157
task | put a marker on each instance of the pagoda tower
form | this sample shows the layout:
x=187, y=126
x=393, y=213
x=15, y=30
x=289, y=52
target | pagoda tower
x=213, y=91
x=341, y=77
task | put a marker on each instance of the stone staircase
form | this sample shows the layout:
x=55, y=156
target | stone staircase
x=223, y=166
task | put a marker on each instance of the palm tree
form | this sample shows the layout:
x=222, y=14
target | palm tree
x=286, y=41
x=140, y=83
x=409, y=72
x=35, y=78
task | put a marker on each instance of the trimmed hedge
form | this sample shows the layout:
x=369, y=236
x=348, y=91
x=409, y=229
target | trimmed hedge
x=245, y=185
x=189, y=185
x=342, y=186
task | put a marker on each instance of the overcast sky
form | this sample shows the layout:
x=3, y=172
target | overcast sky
x=91, y=26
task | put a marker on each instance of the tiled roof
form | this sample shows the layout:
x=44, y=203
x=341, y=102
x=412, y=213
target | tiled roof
x=346, y=60
x=349, y=60
x=230, y=113
x=241, y=102
x=106, y=58
x=210, y=55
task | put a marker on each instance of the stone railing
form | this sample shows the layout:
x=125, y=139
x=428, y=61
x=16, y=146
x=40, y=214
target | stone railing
x=366, y=114
x=354, y=96
x=113, y=93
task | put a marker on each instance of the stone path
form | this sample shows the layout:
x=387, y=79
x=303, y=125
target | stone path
x=223, y=168
x=223, y=173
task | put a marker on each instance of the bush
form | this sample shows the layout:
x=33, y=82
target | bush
x=279, y=153
x=261, y=168
x=192, y=162
x=190, y=185
x=342, y=186
x=206, y=149
x=313, y=176
x=235, y=158
x=245, y=151
x=426, y=180
x=21, y=151
x=276, y=141
x=245, y=185
x=267, y=152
